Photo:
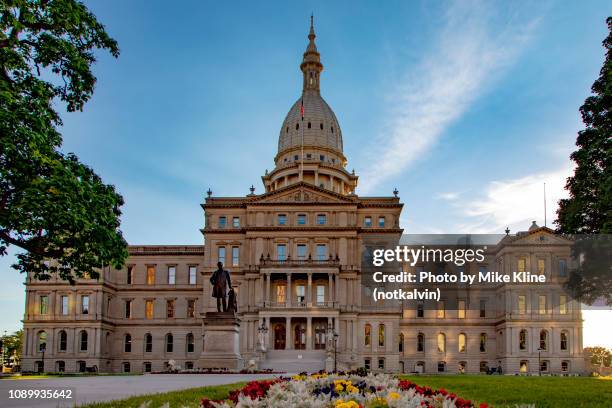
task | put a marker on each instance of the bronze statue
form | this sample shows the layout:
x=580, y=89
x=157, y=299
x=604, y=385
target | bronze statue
x=221, y=282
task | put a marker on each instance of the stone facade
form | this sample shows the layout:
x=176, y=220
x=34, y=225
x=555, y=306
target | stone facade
x=294, y=253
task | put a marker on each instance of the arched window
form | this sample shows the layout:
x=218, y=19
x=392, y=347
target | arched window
x=483, y=342
x=419, y=367
x=127, y=343
x=42, y=341
x=543, y=340
x=523, y=340
x=63, y=341
x=169, y=343
x=367, y=335
x=564, y=340
x=420, y=342
x=441, y=342
x=83, y=340
x=148, y=343
x=462, y=366
x=462, y=342
x=381, y=335
x=190, y=343
x=401, y=343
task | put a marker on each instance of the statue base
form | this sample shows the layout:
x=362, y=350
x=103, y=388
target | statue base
x=221, y=342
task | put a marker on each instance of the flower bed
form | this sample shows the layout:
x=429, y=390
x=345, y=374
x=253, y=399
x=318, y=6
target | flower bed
x=339, y=391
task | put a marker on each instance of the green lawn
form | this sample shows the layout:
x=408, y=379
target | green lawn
x=185, y=398
x=504, y=391
x=497, y=391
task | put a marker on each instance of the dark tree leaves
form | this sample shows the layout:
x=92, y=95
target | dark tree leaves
x=51, y=205
x=589, y=208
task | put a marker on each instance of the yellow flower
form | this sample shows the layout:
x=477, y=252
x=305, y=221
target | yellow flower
x=352, y=389
x=345, y=404
x=393, y=395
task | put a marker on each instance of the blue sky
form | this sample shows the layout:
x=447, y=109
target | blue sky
x=466, y=107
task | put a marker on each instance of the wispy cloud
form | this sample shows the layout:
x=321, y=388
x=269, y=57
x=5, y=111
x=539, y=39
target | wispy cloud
x=516, y=202
x=475, y=44
x=450, y=196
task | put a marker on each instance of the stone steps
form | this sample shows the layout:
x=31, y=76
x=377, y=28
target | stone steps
x=294, y=361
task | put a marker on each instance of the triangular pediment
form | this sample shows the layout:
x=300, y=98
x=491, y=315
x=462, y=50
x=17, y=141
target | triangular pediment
x=302, y=193
x=540, y=236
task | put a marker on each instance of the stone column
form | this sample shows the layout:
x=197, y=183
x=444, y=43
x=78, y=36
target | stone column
x=288, y=333
x=268, y=278
x=309, y=298
x=309, y=333
x=316, y=178
x=288, y=291
x=337, y=330
x=329, y=288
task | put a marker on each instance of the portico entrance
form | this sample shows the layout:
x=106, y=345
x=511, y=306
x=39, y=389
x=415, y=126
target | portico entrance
x=279, y=336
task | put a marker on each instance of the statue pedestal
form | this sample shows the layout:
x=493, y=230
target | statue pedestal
x=221, y=341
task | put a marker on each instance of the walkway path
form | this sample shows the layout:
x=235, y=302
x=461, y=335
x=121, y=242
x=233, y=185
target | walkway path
x=107, y=388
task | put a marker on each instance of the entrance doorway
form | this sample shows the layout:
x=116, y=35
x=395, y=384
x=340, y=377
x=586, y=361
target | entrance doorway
x=299, y=341
x=279, y=336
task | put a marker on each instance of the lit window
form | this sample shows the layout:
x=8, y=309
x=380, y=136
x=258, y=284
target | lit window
x=222, y=221
x=301, y=219
x=562, y=304
x=367, y=222
x=150, y=275
x=524, y=366
x=483, y=342
x=85, y=304
x=542, y=304
x=541, y=266
x=462, y=365
x=521, y=304
x=300, y=296
x=462, y=342
x=171, y=275
x=192, y=275
x=564, y=341
x=236, y=222
x=280, y=294
x=381, y=335
x=149, y=308
x=367, y=334
x=235, y=256
x=321, y=252
x=461, y=309
x=44, y=305
x=170, y=308
x=522, y=264
x=282, y=219
x=381, y=221
x=441, y=342
x=321, y=219
x=440, y=311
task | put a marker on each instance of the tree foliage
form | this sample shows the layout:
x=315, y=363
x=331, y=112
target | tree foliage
x=11, y=344
x=599, y=356
x=51, y=205
x=588, y=210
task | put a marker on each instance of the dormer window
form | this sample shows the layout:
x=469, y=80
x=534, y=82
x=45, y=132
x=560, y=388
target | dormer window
x=296, y=157
x=297, y=126
x=322, y=157
x=287, y=130
x=332, y=129
x=321, y=126
x=308, y=125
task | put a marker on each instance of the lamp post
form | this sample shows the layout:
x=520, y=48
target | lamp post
x=43, y=348
x=262, y=330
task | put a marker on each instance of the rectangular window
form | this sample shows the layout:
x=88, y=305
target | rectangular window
x=171, y=275
x=522, y=265
x=235, y=256
x=64, y=305
x=150, y=275
x=562, y=304
x=321, y=219
x=320, y=294
x=420, y=311
x=236, y=222
x=221, y=255
x=85, y=304
x=461, y=309
x=44, y=305
x=192, y=275
x=381, y=363
x=128, y=309
x=483, y=308
x=191, y=308
x=301, y=219
x=299, y=293
x=280, y=294
x=149, y=309
x=367, y=222
x=381, y=221
x=521, y=304
x=541, y=266
x=301, y=251
x=482, y=269
x=562, y=268
x=366, y=363
x=440, y=311
x=222, y=221
x=281, y=252
x=542, y=304
x=282, y=219
x=169, y=309
x=321, y=252
x=130, y=271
